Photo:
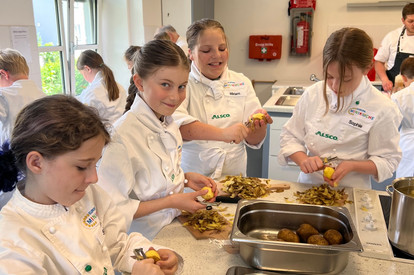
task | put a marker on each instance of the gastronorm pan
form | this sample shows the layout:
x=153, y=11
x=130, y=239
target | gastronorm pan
x=257, y=223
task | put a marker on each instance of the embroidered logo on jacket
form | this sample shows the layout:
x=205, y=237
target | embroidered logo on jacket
x=360, y=112
x=233, y=84
x=90, y=219
x=220, y=116
x=319, y=133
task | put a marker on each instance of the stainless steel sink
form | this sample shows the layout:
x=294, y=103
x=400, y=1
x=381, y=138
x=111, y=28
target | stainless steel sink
x=294, y=91
x=287, y=100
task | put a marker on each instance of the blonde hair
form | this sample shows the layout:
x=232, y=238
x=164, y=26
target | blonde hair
x=13, y=62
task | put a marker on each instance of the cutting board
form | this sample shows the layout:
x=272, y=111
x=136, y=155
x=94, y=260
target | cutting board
x=208, y=234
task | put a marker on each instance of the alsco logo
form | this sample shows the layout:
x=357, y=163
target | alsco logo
x=220, y=116
x=360, y=112
x=319, y=133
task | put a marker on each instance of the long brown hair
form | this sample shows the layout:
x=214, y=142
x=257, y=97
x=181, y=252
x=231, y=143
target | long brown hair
x=196, y=29
x=348, y=47
x=94, y=61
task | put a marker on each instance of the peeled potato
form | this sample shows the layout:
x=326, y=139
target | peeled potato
x=258, y=116
x=328, y=172
x=153, y=255
x=209, y=194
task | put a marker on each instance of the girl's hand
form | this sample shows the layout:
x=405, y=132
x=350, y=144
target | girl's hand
x=197, y=181
x=188, y=201
x=262, y=122
x=168, y=262
x=235, y=133
x=340, y=172
x=146, y=266
x=311, y=164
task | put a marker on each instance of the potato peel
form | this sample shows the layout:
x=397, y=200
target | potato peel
x=245, y=187
x=204, y=220
x=323, y=195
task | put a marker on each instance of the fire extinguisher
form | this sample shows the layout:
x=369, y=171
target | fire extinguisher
x=302, y=35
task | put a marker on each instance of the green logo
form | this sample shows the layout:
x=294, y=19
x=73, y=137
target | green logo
x=220, y=116
x=172, y=177
x=319, y=133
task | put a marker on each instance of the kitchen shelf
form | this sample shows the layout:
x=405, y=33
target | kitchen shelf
x=379, y=4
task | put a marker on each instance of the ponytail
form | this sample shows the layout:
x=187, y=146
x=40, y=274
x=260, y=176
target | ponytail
x=132, y=93
x=9, y=173
x=110, y=83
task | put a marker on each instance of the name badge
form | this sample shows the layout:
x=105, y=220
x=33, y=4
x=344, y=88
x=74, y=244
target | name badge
x=359, y=118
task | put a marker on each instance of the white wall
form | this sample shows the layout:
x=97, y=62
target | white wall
x=13, y=15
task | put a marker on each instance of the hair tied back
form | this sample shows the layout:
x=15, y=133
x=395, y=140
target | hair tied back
x=9, y=173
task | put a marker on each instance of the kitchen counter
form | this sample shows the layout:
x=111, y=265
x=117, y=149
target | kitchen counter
x=210, y=257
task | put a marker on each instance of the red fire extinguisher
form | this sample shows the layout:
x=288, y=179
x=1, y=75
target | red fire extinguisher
x=302, y=35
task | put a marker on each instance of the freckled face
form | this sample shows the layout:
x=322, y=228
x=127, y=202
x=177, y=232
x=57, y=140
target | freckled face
x=351, y=79
x=210, y=55
x=164, y=90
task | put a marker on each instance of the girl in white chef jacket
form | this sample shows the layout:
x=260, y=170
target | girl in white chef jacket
x=344, y=117
x=103, y=93
x=141, y=167
x=57, y=221
x=405, y=102
x=218, y=103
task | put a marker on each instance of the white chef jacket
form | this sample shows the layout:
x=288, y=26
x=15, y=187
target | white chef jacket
x=142, y=163
x=405, y=102
x=96, y=95
x=12, y=100
x=388, y=49
x=220, y=103
x=53, y=239
x=366, y=128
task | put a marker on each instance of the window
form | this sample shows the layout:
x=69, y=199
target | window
x=64, y=29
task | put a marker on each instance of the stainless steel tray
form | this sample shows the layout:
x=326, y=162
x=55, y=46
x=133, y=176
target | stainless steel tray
x=257, y=223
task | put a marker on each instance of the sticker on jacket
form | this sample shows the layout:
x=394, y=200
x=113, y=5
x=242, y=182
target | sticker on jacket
x=232, y=88
x=90, y=219
x=359, y=118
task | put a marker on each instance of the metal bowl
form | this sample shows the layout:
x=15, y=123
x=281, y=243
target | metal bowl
x=257, y=223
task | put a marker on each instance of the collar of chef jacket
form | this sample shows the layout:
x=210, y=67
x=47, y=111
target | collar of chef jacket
x=217, y=86
x=347, y=101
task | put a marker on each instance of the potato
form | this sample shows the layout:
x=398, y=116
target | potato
x=209, y=194
x=328, y=172
x=153, y=255
x=317, y=239
x=288, y=235
x=305, y=230
x=333, y=236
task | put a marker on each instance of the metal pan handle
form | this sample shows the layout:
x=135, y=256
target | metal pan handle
x=388, y=189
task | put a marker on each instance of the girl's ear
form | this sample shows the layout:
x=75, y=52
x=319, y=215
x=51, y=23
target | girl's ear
x=190, y=55
x=138, y=82
x=34, y=162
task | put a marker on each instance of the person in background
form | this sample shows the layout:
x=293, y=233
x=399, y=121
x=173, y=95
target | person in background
x=405, y=102
x=16, y=91
x=58, y=221
x=141, y=167
x=344, y=116
x=103, y=93
x=132, y=89
x=396, y=46
x=162, y=36
x=175, y=37
x=218, y=104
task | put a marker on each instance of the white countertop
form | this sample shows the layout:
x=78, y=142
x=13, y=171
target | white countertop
x=208, y=257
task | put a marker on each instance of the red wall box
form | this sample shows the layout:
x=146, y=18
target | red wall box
x=265, y=47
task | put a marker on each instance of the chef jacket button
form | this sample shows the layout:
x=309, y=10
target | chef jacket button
x=88, y=268
x=166, y=168
x=318, y=120
x=79, y=208
x=52, y=230
x=171, y=193
x=334, y=149
x=311, y=143
x=208, y=101
x=104, y=248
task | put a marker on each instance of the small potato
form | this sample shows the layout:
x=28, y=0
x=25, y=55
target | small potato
x=209, y=194
x=317, y=239
x=333, y=236
x=288, y=235
x=305, y=230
